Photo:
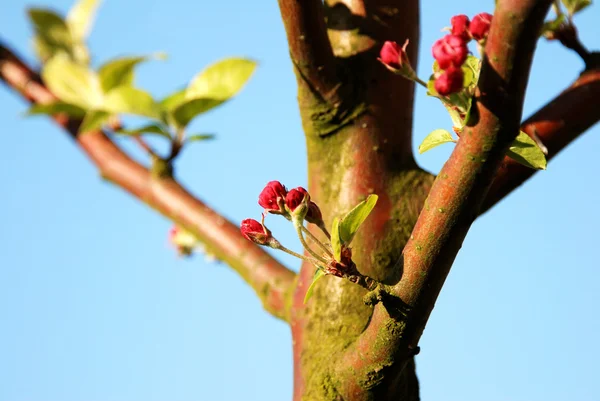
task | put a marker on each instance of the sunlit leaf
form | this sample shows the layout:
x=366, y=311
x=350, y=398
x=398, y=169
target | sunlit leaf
x=93, y=120
x=173, y=100
x=129, y=100
x=435, y=138
x=153, y=129
x=55, y=108
x=526, y=151
x=72, y=82
x=52, y=33
x=199, y=137
x=81, y=18
x=318, y=275
x=221, y=80
x=120, y=71
x=352, y=221
x=184, y=113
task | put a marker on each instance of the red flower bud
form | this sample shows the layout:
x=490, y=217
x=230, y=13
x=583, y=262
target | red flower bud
x=314, y=214
x=451, y=81
x=270, y=196
x=296, y=197
x=451, y=50
x=460, y=27
x=480, y=26
x=392, y=55
x=253, y=231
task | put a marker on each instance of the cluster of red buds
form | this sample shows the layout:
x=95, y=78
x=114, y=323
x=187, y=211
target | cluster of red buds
x=451, y=51
x=296, y=206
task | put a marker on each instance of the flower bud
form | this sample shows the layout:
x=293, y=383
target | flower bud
x=392, y=55
x=272, y=197
x=451, y=50
x=256, y=232
x=314, y=214
x=396, y=59
x=480, y=26
x=460, y=27
x=451, y=81
x=297, y=197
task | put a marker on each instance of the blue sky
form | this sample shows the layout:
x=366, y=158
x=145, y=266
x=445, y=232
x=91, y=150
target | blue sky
x=95, y=306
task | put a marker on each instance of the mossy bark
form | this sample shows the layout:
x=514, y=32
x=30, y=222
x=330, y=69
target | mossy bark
x=358, y=142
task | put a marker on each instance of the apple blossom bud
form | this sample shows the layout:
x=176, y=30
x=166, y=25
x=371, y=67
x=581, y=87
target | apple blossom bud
x=254, y=231
x=451, y=81
x=314, y=215
x=297, y=197
x=451, y=50
x=272, y=197
x=480, y=26
x=396, y=59
x=460, y=27
x=391, y=55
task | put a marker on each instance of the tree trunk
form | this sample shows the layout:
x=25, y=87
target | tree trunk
x=358, y=142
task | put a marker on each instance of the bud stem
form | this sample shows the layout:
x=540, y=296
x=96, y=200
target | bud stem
x=299, y=256
x=298, y=226
x=316, y=241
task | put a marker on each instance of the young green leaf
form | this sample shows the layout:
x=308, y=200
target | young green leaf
x=55, y=108
x=72, y=82
x=471, y=69
x=81, y=18
x=221, y=80
x=552, y=25
x=199, y=137
x=184, y=113
x=435, y=138
x=526, y=151
x=120, y=71
x=173, y=100
x=318, y=274
x=93, y=120
x=154, y=129
x=130, y=100
x=352, y=221
x=336, y=243
x=52, y=32
x=574, y=6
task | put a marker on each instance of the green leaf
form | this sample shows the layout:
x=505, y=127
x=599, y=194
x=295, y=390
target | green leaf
x=52, y=32
x=352, y=221
x=336, y=243
x=199, y=137
x=435, y=138
x=318, y=274
x=120, y=71
x=553, y=25
x=471, y=69
x=155, y=129
x=93, y=120
x=81, y=18
x=55, y=108
x=526, y=151
x=189, y=109
x=221, y=80
x=574, y=6
x=72, y=82
x=129, y=100
x=173, y=100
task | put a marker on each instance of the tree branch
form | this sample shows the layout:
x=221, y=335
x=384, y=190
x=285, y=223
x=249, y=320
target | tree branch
x=455, y=198
x=309, y=45
x=271, y=280
x=557, y=124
